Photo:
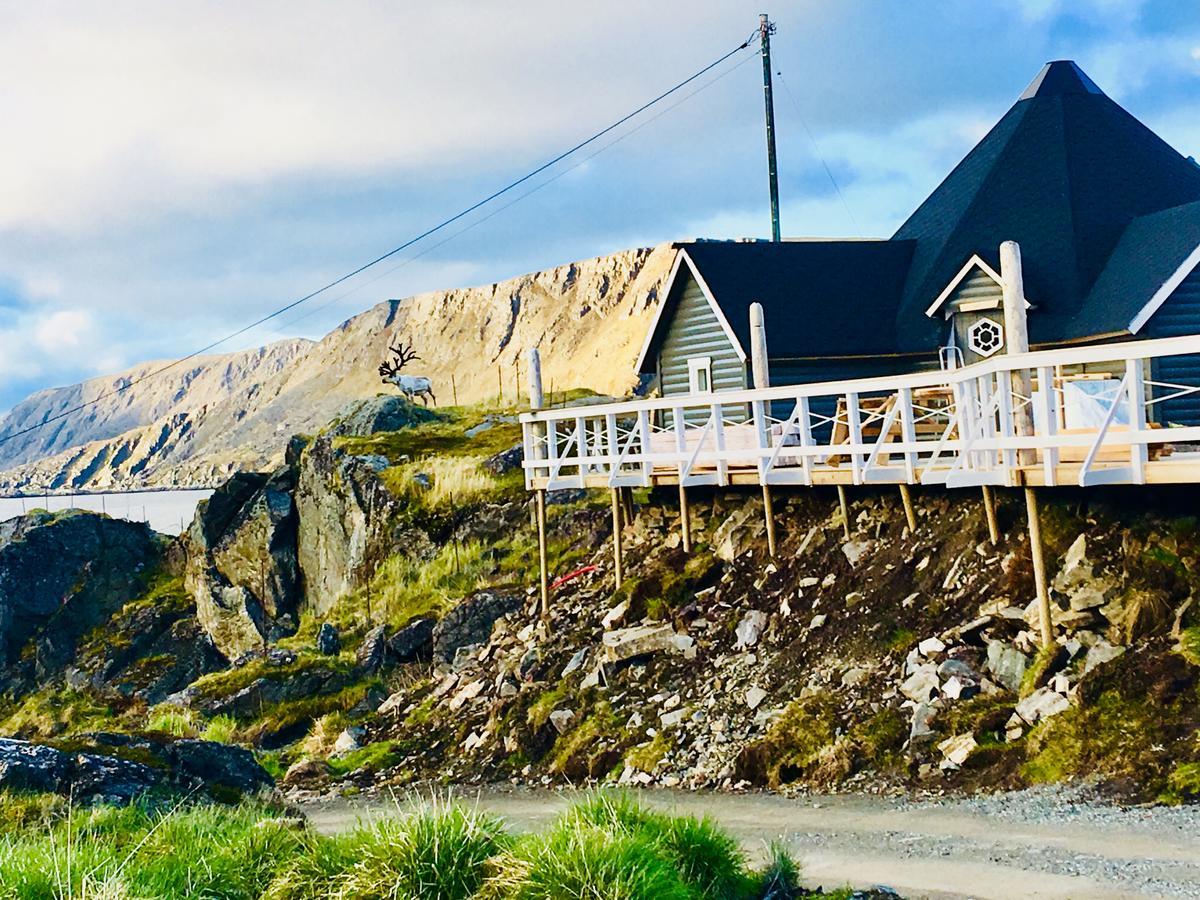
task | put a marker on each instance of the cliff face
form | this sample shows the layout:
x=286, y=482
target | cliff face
x=196, y=426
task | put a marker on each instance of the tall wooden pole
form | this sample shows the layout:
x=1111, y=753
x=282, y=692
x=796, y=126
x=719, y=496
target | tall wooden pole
x=685, y=519
x=536, y=402
x=618, y=557
x=989, y=511
x=1016, y=328
x=760, y=371
x=765, y=30
x=845, y=505
x=910, y=514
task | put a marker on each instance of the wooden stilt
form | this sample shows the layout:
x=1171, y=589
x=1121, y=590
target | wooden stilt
x=544, y=582
x=685, y=519
x=627, y=504
x=910, y=514
x=845, y=505
x=618, y=560
x=1039, y=566
x=989, y=510
x=769, y=513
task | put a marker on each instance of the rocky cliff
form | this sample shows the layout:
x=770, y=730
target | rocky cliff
x=198, y=424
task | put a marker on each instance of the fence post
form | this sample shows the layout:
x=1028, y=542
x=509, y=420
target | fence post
x=760, y=369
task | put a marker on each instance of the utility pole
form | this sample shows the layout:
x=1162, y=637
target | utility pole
x=765, y=30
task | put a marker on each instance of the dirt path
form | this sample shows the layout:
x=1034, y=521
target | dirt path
x=1032, y=844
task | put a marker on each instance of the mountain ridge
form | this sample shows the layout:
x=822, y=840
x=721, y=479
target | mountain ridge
x=588, y=317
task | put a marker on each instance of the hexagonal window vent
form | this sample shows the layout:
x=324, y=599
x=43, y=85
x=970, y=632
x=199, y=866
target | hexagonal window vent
x=985, y=337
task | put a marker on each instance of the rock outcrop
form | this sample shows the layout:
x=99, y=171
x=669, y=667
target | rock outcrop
x=241, y=564
x=345, y=522
x=118, y=768
x=60, y=576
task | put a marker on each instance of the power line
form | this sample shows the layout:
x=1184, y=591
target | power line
x=817, y=150
x=404, y=246
x=495, y=212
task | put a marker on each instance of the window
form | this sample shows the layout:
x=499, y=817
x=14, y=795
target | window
x=700, y=375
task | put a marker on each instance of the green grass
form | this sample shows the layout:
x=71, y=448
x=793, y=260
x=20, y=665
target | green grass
x=53, y=711
x=605, y=847
x=176, y=721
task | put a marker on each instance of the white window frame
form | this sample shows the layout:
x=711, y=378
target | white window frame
x=696, y=365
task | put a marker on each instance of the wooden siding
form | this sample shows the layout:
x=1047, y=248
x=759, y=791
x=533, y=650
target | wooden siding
x=1180, y=315
x=978, y=285
x=695, y=331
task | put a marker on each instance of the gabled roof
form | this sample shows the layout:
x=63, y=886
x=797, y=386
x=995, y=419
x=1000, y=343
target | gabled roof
x=818, y=297
x=1106, y=213
x=1063, y=173
x=1141, y=272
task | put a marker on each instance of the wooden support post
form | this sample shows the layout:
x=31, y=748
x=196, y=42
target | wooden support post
x=1039, y=566
x=536, y=401
x=910, y=514
x=1016, y=340
x=685, y=519
x=989, y=511
x=769, y=512
x=544, y=580
x=845, y=505
x=618, y=559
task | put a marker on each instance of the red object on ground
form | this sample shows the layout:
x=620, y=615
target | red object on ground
x=572, y=575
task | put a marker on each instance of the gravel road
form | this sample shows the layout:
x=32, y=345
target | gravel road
x=1041, y=843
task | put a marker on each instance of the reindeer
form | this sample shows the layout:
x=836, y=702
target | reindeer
x=410, y=385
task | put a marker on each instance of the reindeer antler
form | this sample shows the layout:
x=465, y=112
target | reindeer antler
x=402, y=356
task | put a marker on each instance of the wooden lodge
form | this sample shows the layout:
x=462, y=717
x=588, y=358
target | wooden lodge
x=1034, y=323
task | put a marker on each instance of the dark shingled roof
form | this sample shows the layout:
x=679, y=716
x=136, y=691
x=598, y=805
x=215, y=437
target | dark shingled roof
x=1104, y=210
x=816, y=295
x=1063, y=174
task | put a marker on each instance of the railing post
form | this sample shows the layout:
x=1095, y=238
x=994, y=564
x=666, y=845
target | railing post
x=718, y=414
x=854, y=424
x=806, y=439
x=614, y=445
x=644, y=429
x=908, y=434
x=1139, y=453
x=581, y=447
x=1016, y=340
x=1049, y=403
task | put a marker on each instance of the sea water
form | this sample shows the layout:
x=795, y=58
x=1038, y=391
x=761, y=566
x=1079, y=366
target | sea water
x=167, y=511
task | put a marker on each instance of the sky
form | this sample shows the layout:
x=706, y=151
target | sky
x=171, y=172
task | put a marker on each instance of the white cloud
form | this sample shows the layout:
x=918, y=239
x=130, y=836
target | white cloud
x=132, y=107
x=39, y=342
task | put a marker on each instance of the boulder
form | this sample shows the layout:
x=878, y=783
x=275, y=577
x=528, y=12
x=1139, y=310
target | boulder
x=637, y=641
x=738, y=533
x=413, y=642
x=921, y=727
x=373, y=649
x=471, y=621
x=212, y=764
x=361, y=418
x=506, y=460
x=561, y=719
x=329, y=642
x=240, y=561
x=1041, y=704
x=349, y=740
x=31, y=767
x=957, y=749
x=750, y=629
x=1099, y=653
x=1007, y=664
x=922, y=684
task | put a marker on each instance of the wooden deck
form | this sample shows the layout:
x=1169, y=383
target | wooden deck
x=1089, y=418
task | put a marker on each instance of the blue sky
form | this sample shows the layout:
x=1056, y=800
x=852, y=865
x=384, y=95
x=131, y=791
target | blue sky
x=171, y=171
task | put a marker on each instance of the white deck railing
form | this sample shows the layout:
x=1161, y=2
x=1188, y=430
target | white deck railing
x=1093, y=418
